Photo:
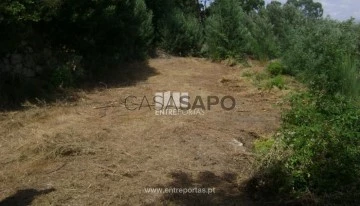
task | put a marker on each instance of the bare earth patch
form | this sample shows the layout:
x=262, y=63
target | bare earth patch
x=96, y=152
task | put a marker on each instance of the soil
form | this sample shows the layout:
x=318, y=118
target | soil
x=94, y=151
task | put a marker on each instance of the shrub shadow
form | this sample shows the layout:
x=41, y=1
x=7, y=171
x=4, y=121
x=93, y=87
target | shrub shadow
x=227, y=190
x=265, y=188
x=122, y=75
x=39, y=92
x=24, y=197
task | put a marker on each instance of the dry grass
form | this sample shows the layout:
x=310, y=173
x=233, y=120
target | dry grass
x=91, y=153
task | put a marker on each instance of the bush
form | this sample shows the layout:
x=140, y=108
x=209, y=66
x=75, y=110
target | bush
x=320, y=138
x=62, y=77
x=324, y=135
x=275, y=68
x=324, y=53
x=320, y=134
x=277, y=81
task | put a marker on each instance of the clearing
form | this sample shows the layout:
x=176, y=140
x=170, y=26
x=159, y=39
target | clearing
x=93, y=151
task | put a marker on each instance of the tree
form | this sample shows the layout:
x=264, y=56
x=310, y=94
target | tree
x=181, y=34
x=188, y=6
x=251, y=5
x=114, y=30
x=226, y=32
x=177, y=25
x=246, y=5
x=284, y=18
x=308, y=7
x=59, y=36
x=264, y=43
x=162, y=10
x=275, y=14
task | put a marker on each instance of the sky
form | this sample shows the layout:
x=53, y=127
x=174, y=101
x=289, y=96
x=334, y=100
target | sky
x=338, y=9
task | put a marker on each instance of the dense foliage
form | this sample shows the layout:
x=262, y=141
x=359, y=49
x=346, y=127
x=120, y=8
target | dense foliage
x=264, y=43
x=325, y=53
x=42, y=39
x=322, y=130
x=178, y=28
x=317, y=151
x=181, y=34
x=308, y=7
x=323, y=135
x=47, y=44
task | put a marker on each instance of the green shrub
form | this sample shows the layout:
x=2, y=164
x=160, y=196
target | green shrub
x=318, y=54
x=275, y=68
x=324, y=135
x=321, y=140
x=277, y=81
x=62, y=76
x=320, y=134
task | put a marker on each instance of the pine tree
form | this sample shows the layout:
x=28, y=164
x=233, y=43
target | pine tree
x=264, y=44
x=226, y=33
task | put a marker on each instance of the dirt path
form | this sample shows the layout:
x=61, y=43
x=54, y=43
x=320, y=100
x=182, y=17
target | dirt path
x=108, y=156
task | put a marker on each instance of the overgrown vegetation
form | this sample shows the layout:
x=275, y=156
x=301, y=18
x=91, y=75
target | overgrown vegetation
x=275, y=68
x=316, y=153
x=316, y=156
x=47, y=44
